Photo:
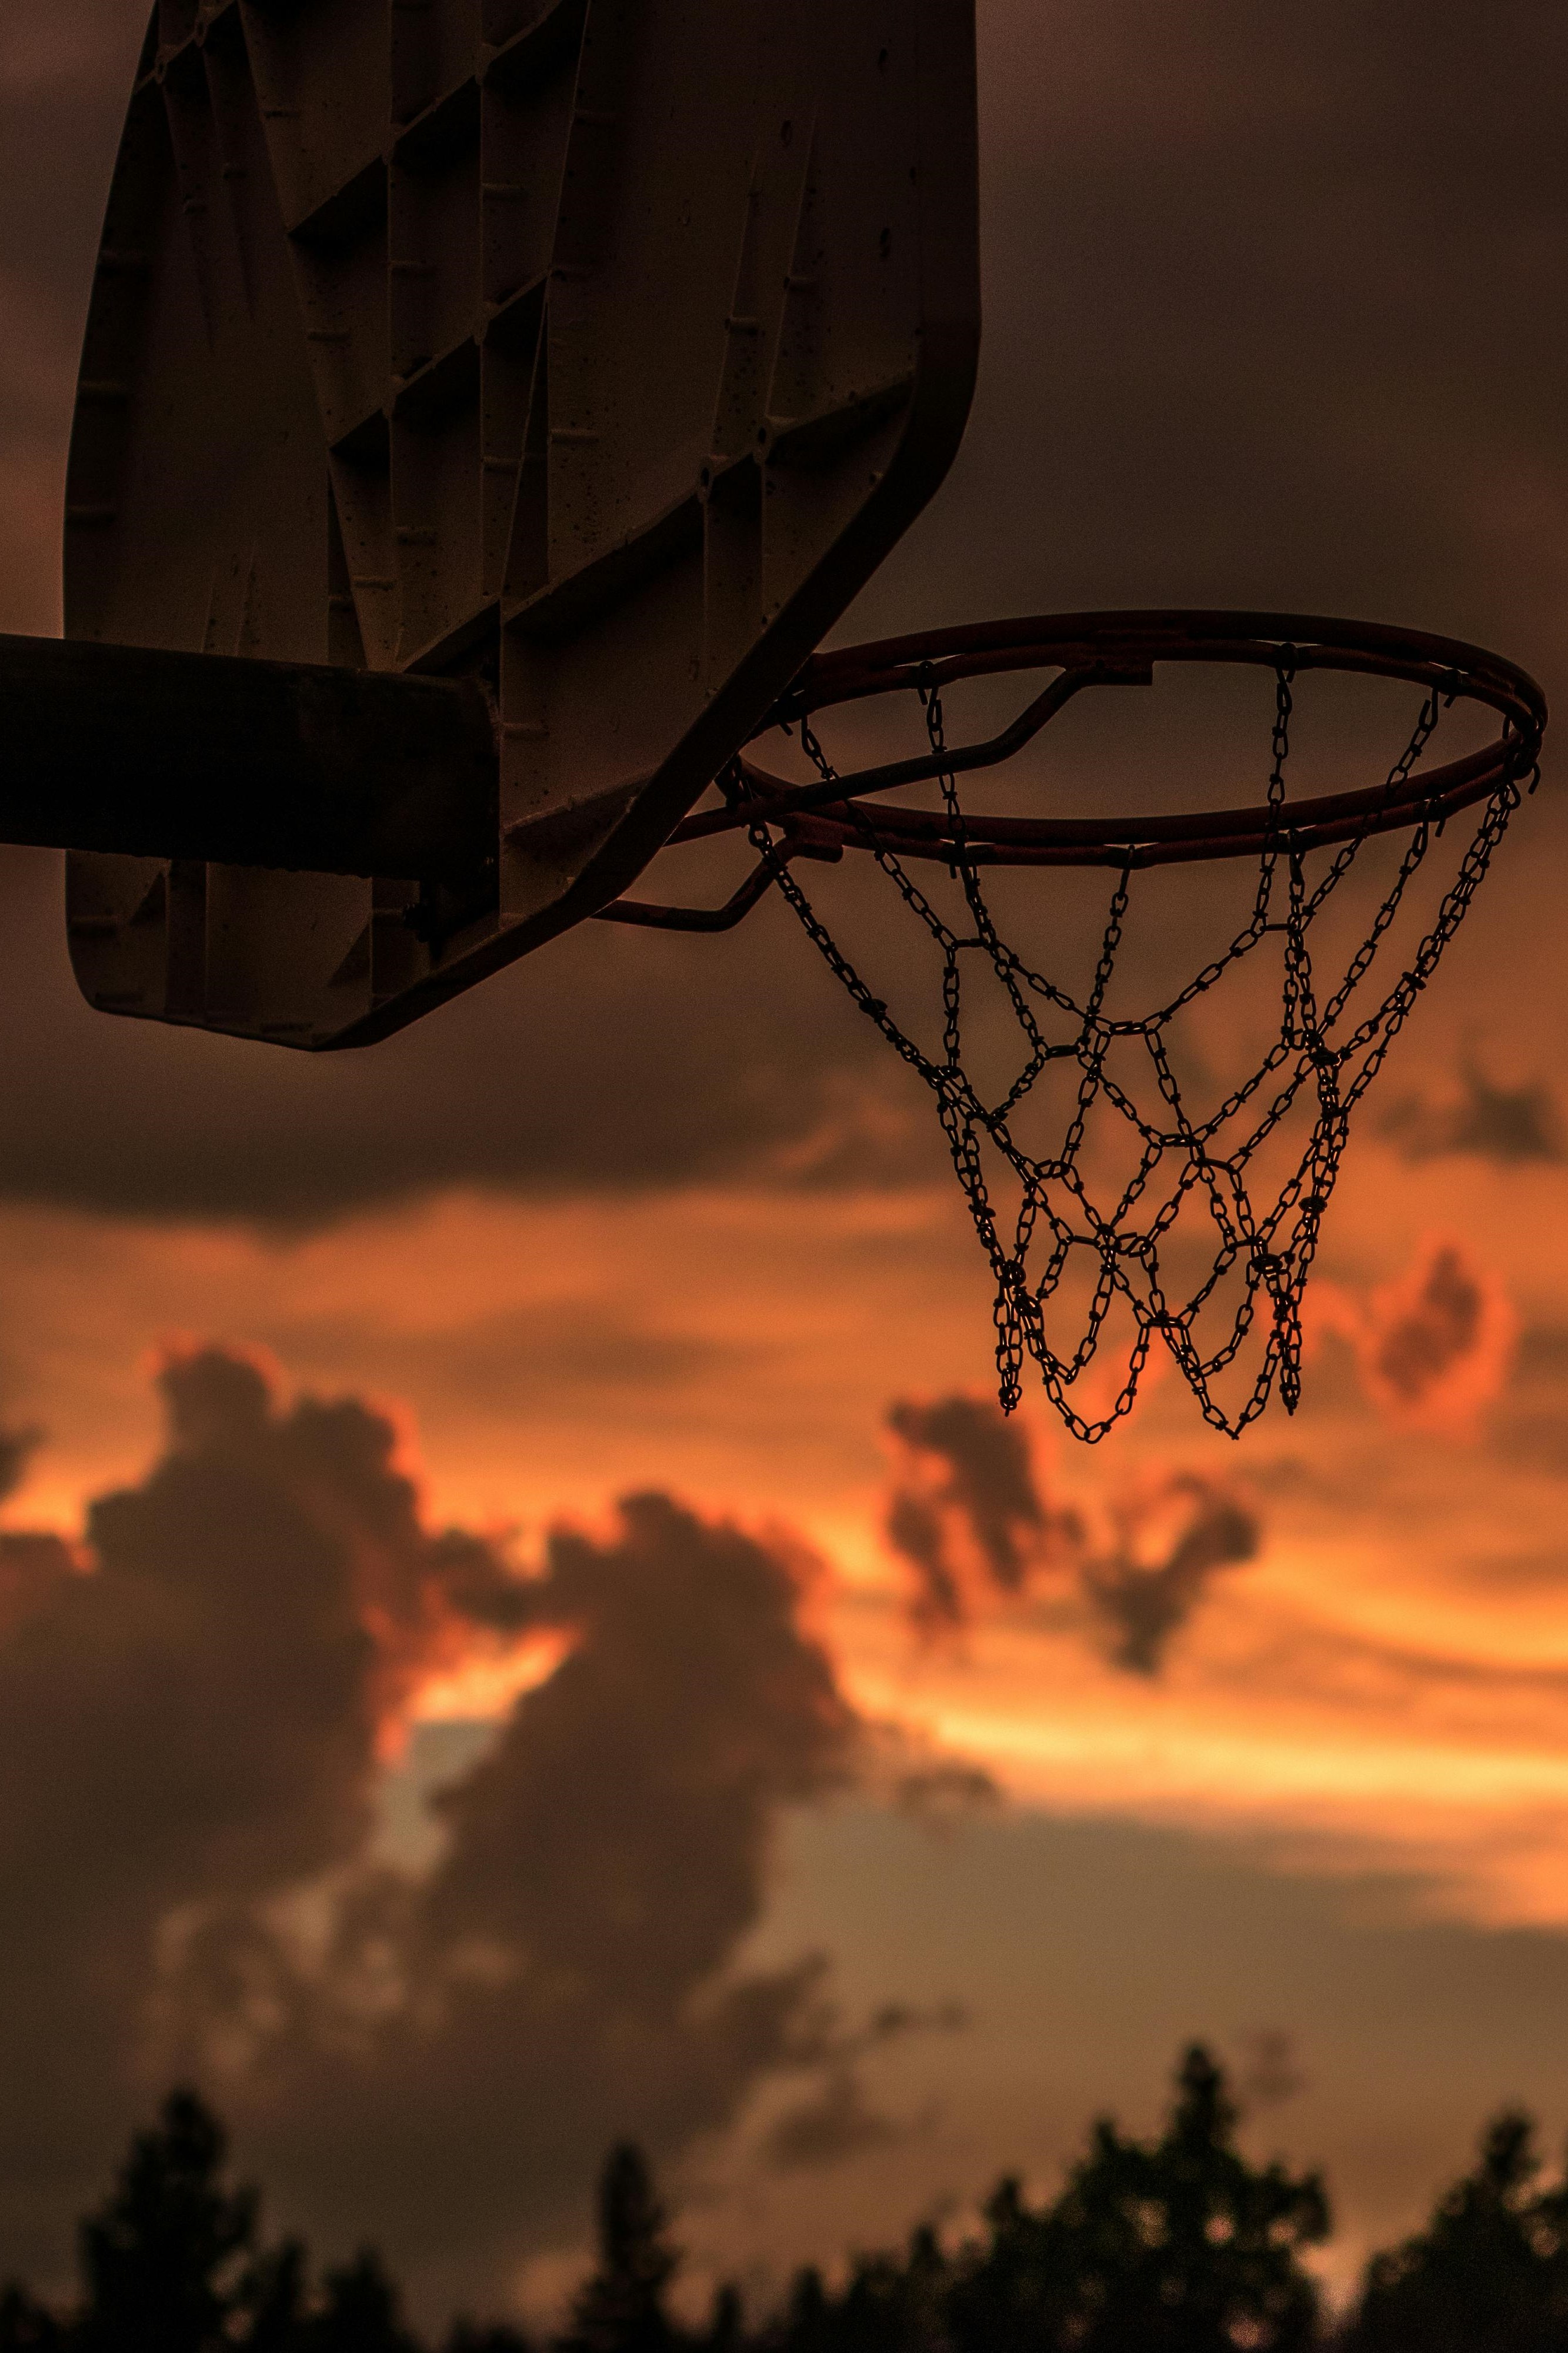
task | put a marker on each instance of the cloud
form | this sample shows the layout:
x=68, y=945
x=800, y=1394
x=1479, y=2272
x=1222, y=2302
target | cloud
x=193, y=1712
x=966, y=1514
x=1171, y=1541
x=989, y=1476
x=610, y=1061
x=35, y=1567
x=1435, y=1347
x=916, y=1529
x=1271, y=2072
x=1219, y=416
x=1231, y=420
x=836, y=2123
x=944, y=1792
x=16, y=1447
x=1509, y=1126
x=837, y=2120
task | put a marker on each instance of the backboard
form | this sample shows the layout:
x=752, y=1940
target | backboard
x=581, y=359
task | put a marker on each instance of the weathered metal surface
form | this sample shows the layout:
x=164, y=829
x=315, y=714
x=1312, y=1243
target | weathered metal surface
x=598, y=349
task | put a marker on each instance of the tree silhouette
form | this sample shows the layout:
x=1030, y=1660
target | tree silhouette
x=170, y=2263
x=359, y=2312
x=1489, y=2271
x=27, y=2327
x=162, y=2261
x=275, y=2294
x=1174, y=2246
x=621, y=2309
x=807, y=2316
x=899, y=2306
x=1019, y=2290
x=726, y=2329
x=1178, y=2246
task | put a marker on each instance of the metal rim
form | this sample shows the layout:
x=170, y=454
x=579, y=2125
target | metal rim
x=822, y=820
x=1121, y=649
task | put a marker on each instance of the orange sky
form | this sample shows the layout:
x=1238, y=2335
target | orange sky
x=1379, y=1701
x=1388, y=1682
x=1361, y=1736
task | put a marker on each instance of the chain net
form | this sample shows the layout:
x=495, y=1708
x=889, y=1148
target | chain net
x=1332, y=1037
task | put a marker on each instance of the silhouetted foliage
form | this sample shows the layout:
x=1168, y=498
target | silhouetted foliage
x=726, y=2329
x=27, y=2327
x=1178, y=2244
x=1174, y=2246
x=275, y=2296
x=621, y=2309
x=162, y=2260
x=170, y=2263
x=1489, y=2271
x=359, y=2312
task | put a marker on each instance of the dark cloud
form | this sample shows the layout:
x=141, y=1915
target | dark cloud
x=17, y=1446
x=192, y=1722
x=34, y=1571
x=1436, y=1347
x=917, y=1531
x=941, y=1793
x=966, y=1509
x=1171, y=1543
x=1419, y=1346
x=1245, y=302
x=610, y=1060
x=1271, y=2072
x=538, y=1354
x=967, y=1516
x=836, y=2123
x=1249, y=295
x=989, y=1476
x=64, y=80
x=1507, y=1125
x=838, y=2119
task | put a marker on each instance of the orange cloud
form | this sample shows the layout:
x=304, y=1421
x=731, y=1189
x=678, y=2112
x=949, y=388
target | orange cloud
x=967, y=1519
x=1435, y=1346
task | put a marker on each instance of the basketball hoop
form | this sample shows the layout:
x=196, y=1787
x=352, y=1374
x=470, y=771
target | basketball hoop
x=1126, y=1245
x=370, y=518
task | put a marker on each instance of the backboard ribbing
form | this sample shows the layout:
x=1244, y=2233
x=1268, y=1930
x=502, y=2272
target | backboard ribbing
x=595, y=351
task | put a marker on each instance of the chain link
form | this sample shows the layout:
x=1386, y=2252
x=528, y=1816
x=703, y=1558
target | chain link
x=1184, y=1162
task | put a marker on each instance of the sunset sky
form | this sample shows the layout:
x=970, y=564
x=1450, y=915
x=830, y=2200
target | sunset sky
x=364, y=1350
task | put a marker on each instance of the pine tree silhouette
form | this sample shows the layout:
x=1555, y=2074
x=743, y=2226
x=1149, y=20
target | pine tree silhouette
x=26, y=2325
x=806, y=2317
x=1178, y=2246
x=1175, y=2245
x=726, y=2329
x=162, y=2260
x=274, y=2293
x=1489, y=2271
x=359, y=2312
x=621, y=2309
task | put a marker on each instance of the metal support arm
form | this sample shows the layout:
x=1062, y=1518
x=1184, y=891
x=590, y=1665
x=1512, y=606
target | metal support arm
x=280, y=764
